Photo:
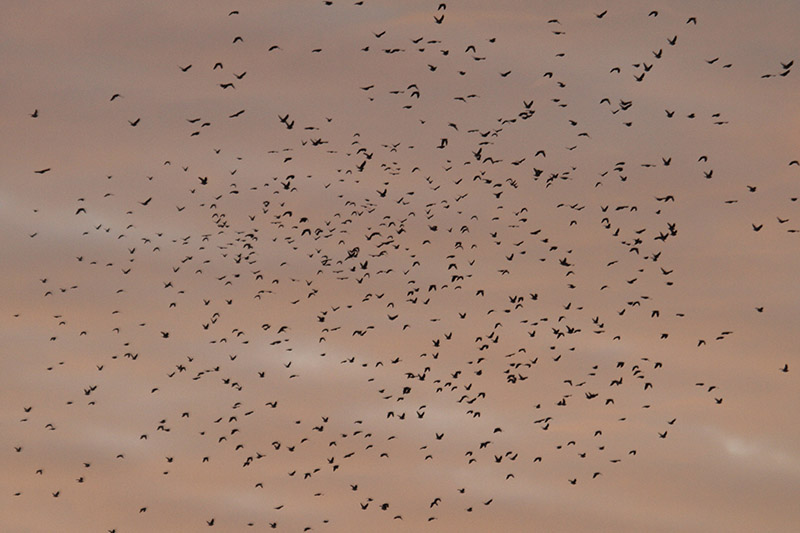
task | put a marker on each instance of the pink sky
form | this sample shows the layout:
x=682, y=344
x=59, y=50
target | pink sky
x=484, y=215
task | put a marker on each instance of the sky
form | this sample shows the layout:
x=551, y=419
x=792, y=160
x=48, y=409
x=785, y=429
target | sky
x=399, y=266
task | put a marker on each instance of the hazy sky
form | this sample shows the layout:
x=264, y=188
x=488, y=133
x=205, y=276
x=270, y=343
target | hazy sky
x=399, y=266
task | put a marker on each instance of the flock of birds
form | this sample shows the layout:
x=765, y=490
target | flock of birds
x=452, y=276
